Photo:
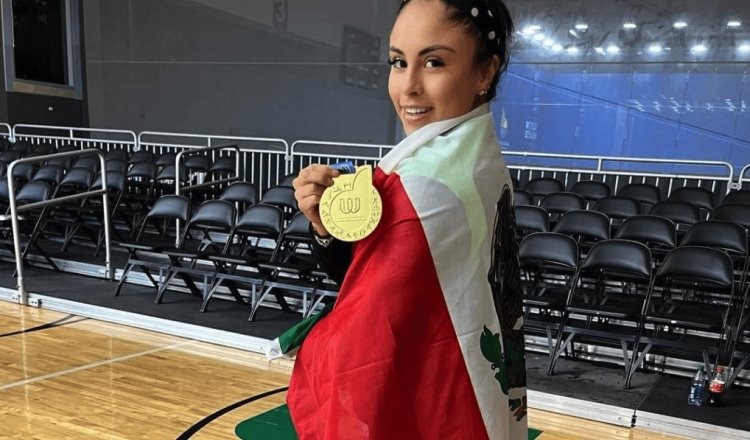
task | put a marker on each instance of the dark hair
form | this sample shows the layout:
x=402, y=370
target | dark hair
x=503, y=27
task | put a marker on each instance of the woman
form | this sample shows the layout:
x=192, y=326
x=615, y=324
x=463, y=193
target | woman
x=419, y=344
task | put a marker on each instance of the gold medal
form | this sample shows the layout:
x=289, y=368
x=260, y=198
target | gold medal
x=350, y=209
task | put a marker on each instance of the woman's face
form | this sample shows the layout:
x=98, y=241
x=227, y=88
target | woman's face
x=434, y=75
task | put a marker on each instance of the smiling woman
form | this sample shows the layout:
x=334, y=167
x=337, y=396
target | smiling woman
x=438, y=69
x=424, y=340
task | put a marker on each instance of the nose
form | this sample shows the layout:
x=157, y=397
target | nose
x=413, y=82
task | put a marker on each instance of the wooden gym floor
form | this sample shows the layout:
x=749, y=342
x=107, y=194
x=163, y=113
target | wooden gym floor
x=67, y=377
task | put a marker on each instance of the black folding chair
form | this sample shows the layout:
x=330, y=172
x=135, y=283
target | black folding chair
x=531, y=219
x=591, y=190
x=606, y=302
x=239, y=266
x=558, y=203
x=735, y=213
x=141, y=156
x=30, y=222
x=116, y=165
x=214, y=221
x=281, y=197
x=64, y=217
x=702, y=198
x=117, y=155
x=541, y=186
x=139, y=189
x=586, y=227
x=683, y=214
x=514, y=182
x=287, y=179
x=740, y=197
x=617, y=208
x=729, y=237
x=293, y=270
x=522, y=197
x=688, y=318
x=548, y=262
x=644, y=194
x=658, y=233
x=146, y=252
x=242, y=194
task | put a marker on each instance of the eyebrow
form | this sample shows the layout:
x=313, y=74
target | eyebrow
x=426, y=50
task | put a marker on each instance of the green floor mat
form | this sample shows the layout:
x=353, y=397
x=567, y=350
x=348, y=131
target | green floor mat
x=277, y=425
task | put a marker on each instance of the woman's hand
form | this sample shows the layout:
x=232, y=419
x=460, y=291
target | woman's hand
x=308, y=189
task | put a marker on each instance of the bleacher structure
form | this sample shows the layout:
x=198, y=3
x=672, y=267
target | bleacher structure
x=634, y=261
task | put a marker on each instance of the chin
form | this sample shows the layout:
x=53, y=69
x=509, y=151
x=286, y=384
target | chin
x=410, y=128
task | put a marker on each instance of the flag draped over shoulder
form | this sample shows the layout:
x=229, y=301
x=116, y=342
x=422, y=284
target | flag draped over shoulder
x=424, y=341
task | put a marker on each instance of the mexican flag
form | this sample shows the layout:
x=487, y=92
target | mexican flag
x=424, y=340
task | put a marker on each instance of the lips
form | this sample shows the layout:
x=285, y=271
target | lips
x=414, y=113
x=416, y=110
x=415, y=116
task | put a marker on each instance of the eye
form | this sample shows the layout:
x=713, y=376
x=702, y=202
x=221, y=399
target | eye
x=397, y=63
x=434, y=62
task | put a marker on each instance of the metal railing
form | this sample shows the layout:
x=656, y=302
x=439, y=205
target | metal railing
x=262, y=161
x=667, y=174
x=305, y=152
x=200, y=151
x=75, y=138
x=15, y=210
x=6, y=130
x=743, y=178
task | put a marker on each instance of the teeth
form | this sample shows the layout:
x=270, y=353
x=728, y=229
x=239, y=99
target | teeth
x=416, y=110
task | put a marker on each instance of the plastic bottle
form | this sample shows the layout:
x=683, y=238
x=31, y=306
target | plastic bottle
x=697, y=388
x=717, y=387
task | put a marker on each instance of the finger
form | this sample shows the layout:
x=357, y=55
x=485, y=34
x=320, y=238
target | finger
x=308, y=200
x=309, y=190
x=320, y=174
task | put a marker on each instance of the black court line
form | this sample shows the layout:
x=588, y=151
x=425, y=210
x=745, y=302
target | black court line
x=60, y=322
x=210, y=418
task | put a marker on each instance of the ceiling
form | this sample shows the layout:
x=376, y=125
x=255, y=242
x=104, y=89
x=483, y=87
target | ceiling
x=614, y=31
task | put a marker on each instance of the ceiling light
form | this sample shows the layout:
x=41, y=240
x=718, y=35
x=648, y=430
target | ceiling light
x=629, y=26
x=557, y=47
x=734, y=23
x=699, y=48
x=539, y=37
x=548, y=42
x=572, y=50
x=680, y=25
x=655, y=48
x=581, y=26
x=600, y=51
x=744, y=48
x=613, y=49
x=531, y=30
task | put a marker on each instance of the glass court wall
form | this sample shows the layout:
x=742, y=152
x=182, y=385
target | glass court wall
x=657, y=78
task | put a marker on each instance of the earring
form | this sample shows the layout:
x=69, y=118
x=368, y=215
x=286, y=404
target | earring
x=483, y=92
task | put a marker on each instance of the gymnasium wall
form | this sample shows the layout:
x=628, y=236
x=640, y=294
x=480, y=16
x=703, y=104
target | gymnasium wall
x=233, y=67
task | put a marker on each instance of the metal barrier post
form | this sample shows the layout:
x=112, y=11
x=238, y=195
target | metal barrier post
x=14, y=210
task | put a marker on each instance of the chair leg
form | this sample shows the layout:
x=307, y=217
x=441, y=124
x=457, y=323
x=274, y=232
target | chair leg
x=558, y=343
x=163, y=288
x=736, y=371
x=216, y=284
x=128, y=268
x=150, y=277
x=637, y=360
